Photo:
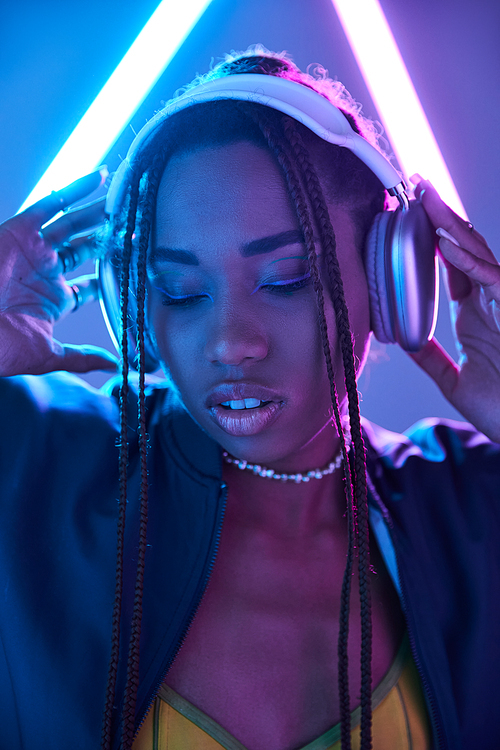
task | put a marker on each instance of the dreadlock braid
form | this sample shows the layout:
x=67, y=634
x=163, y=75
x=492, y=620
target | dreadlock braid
x=279, y=148
x=293, y=182
x=123, y=466
x=343, y=673
x=329, y=244
x=345, y=339
x=135, y=629
x=147, y=210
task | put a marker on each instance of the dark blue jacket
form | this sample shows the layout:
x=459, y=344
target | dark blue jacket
x=59, y=490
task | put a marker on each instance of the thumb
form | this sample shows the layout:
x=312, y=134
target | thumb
x=83, y=358
x=437, y=363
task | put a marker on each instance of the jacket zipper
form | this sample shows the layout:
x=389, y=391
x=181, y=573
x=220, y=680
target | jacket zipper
x=198, y=600
x=403, y=599
x=430, y=697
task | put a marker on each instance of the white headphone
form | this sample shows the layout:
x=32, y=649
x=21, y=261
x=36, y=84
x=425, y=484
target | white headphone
x=400, y=258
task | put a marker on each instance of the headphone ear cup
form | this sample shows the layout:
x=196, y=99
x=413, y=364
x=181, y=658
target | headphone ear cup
x=380, y=313
x=402, y=272
x=108, y=271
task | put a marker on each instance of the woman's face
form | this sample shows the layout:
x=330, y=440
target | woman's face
x=234, y=312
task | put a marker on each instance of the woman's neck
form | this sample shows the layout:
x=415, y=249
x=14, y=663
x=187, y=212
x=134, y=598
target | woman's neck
x=286, y=509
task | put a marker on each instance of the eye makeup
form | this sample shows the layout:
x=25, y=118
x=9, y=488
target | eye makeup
x=183, y=287
x=283, y=270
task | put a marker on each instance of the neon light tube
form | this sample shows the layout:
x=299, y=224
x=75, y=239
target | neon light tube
x=394, y=95
x=120, y=97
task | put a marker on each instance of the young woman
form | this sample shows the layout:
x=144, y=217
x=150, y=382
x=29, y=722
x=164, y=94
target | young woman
x=264, y=613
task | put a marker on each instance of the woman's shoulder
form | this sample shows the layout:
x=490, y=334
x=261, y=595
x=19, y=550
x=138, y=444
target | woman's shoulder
x=55, y=397
x=436, y=466
x=59, y=407
x=432, y=440
x=67, y=393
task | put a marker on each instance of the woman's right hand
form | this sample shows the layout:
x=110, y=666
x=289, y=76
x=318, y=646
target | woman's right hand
x=34, y=294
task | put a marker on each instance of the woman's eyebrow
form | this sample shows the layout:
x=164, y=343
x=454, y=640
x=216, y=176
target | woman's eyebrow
x=268, y=244
x=172, y=255
x=256, y=247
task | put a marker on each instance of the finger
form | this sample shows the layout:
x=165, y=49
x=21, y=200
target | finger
x=73, y=254
x=442, y=215
x=42, y=211
x=73, y=222
x=490, y=306
x=82, y=359
x=437, y=363
x=481, y=271
x=457, y=283
x=85, y=289
x=458, y=230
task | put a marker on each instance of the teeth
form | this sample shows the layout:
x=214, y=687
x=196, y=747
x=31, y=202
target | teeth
x=236, y=404
x=251, y=403
x=246, y=403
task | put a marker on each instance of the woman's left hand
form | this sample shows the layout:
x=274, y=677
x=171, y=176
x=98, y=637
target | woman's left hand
x=473, y=274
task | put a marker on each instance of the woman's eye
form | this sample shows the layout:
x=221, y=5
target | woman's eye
x=288, y=287
x=277, y=287
x=185, y=301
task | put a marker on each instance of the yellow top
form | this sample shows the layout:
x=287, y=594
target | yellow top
x=399, y=718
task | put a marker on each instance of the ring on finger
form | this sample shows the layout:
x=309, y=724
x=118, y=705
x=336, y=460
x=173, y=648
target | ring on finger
x=470, y=226
x=77, y=293
x=68, y=256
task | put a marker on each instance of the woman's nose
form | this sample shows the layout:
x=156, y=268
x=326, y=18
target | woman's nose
x=234, y=338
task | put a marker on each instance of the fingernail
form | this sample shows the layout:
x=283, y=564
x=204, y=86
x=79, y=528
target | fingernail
x=447, y=236
x=416, y=178
x=104, y=172
x=83, y=186
x=419, y=185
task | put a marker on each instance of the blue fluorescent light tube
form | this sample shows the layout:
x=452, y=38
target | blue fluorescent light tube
x=120, y=97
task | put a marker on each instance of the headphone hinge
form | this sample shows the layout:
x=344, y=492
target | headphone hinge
x=399, y=191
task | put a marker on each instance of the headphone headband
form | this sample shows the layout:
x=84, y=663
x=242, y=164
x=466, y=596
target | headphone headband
x=400, y=247
x=300, y=102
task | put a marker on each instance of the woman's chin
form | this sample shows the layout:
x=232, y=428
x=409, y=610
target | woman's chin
x=284, y=458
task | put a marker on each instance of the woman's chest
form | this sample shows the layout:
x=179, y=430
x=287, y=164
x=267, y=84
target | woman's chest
x=261, y=655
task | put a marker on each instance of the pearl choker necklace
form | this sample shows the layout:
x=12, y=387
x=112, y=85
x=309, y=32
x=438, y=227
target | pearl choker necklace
x=262, y=471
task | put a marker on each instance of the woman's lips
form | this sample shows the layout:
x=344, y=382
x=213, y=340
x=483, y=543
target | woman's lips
x=241, y=422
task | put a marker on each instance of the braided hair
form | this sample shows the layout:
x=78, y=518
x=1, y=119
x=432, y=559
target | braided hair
x=348, y=182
